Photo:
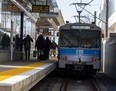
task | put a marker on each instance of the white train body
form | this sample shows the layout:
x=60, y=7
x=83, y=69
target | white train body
x=79, y=47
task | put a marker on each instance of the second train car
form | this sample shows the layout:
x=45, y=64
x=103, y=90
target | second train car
x=79, y=47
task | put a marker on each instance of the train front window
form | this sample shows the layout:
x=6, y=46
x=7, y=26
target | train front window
x=69, y=38
x=90, y=39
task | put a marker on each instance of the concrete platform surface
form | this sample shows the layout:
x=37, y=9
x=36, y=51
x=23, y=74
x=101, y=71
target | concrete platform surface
x=21, y=76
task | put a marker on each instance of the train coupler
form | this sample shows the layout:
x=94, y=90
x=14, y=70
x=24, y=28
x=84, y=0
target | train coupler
x=78, y=67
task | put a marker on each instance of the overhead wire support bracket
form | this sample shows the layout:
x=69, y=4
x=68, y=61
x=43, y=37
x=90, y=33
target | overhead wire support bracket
x=90, y=2
x=93, y=15
x=77, y=17
x=83, y=8
x=80, y=9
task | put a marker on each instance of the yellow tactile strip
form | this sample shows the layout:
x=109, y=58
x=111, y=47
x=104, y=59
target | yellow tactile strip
x=10, y=73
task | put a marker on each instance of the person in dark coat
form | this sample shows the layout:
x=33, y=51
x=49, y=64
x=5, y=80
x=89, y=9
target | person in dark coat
x=5, y=43
x=27, y=46
x=17, y=42
x=40, y=42
x=48, y=46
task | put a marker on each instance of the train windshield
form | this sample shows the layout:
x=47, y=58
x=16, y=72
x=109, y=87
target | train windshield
x=69, y=38
x=80, y=38
x=90, y=39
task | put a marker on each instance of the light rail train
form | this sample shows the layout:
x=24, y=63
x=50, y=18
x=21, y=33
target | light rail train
x=79, y=47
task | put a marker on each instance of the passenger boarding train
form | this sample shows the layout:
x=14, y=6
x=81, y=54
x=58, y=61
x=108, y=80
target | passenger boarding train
x=79, y=47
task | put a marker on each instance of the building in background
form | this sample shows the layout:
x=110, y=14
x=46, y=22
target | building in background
x=111, y=17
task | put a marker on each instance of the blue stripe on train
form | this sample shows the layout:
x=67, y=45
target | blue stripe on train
x=66, y=51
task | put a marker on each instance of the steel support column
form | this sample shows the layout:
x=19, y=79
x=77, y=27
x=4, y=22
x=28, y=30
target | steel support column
x=21, y=33
x=107, y=11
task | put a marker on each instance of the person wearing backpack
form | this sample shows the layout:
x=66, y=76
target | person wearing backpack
x=53, y=49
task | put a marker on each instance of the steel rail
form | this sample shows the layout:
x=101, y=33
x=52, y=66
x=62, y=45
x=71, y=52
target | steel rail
x=95, y=84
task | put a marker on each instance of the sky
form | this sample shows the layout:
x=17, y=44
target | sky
x=68, y=11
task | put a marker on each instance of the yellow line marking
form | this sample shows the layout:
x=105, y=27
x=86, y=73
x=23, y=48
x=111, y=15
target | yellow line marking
x=9, y=73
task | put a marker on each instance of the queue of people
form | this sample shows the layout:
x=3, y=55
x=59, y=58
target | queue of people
x=5, y=42
x=44, y=47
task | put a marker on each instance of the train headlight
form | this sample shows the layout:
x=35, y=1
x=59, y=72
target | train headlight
x=92, y=59
x=65, y=58
x=97, y=59
x=61, y=58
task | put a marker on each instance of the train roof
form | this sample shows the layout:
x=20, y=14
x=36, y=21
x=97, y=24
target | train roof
x=86, y=25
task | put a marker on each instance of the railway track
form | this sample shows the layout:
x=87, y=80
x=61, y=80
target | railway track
x=80, y=85
x=65, y=83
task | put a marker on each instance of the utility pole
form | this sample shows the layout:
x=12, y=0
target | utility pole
x=107, y=11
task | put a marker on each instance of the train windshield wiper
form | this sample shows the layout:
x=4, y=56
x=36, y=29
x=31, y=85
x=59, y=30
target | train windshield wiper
x=69, y=45
x=94, y=45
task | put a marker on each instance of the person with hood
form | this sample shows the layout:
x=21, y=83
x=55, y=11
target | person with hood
x=17, y=42
x=40, y=42
x=27, y=46
x=5, y=43
x=48, y=46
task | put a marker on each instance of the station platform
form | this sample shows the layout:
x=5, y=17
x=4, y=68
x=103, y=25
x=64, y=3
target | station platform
x=23, y=75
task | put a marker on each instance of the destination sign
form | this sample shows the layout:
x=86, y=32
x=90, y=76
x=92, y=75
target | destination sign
x=80, y=27
x=10, y=7
x=40, y=8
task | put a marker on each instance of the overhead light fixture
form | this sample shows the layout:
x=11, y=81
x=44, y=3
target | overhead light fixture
x=52, y=23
